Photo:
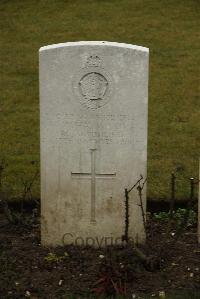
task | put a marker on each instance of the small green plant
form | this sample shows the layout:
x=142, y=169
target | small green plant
x=53, y=257
x=178, y=217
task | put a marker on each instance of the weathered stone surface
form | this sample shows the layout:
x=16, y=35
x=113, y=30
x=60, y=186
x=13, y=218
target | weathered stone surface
x=93, y=100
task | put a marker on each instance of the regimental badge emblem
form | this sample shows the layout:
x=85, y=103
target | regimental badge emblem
x=93, y=85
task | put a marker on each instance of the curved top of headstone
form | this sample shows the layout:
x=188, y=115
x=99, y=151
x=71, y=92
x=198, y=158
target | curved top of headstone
x=94, y=43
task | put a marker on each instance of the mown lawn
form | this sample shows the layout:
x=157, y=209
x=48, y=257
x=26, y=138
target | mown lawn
x=168, y=28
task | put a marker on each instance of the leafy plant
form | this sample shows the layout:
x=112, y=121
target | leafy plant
x=53, y=257
x=178, y=216
x=110, y=281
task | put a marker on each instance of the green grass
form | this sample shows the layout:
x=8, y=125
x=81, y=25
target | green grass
x=168, y=28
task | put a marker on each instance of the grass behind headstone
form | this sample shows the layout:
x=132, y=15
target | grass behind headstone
x=169, y=29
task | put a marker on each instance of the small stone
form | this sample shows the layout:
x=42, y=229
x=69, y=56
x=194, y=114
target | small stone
x=60, y=282
x=101, y=256
x=191, y=275
x=16, y=283
x=133, y=296
x=172, y=234
x=174, y=264
x=27, y=294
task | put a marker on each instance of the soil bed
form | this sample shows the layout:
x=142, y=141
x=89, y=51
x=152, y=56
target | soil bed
x=29, y=270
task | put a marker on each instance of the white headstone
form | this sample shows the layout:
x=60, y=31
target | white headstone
x=93, y=100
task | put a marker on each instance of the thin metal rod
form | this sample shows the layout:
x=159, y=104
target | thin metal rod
x=198, y=231
x=173, y=190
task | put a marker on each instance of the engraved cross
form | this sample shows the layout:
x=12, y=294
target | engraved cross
x=92, y=176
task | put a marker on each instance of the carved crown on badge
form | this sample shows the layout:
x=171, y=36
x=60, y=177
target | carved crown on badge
x=93, y=61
